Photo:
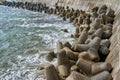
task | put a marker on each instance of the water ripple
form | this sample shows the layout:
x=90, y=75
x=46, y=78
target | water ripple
x=25, y=38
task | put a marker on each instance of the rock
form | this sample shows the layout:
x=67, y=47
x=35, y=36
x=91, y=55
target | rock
x=64, y=19
x=50, y=56
x=64, y=30
x=72, y=35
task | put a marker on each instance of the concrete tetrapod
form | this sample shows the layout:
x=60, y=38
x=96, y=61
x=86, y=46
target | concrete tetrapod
x=63, y=70
x=67, y=44
x=107, y=27
x=59, y=46
x=91, y=68
x=95, y=43
x=106, y=34
x=74, y=68
x=50, y=56
x=77, y=76
x=102, y=9
x=98, y=33
x=110, y=12
x=105, y=42
x=62, y=58
x=105, y=75
x=101, y=66
x=95, y=25
x=83, y=37
x=71, y=55
x=93, y=53
x=85, y=66
x=51, y=73
x=84, y=47
x=103, y=50
x=84, y=55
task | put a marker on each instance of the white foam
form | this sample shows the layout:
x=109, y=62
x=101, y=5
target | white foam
x=1, y=31
x=25, y=66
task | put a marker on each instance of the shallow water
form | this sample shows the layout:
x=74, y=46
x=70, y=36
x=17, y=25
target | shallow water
x=25, y=38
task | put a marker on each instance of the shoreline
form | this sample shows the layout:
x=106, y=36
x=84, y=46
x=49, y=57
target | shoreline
x=78, y=48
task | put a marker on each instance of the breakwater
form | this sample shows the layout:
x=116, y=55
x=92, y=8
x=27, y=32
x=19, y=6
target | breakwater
x=76, y=30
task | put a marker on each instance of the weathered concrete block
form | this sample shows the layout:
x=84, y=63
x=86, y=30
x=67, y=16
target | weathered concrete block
x=71, y=55
x=63, y=70
x=103, y=50
x=83, y=37
x=62, y=58
x=101, y=66
x=85, y=65
x=51, y=69
x=67, y=44
x=77, y=76
x=105, y=42
x=93, y=53
x=105, y=75
x=50, y=56
x=59, y=46
x=84, y=55
x=74, y=68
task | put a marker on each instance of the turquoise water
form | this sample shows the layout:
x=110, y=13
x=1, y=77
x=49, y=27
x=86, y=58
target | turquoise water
x=25, y=38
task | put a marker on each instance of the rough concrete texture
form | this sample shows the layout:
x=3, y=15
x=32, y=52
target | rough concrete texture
x=114, y=56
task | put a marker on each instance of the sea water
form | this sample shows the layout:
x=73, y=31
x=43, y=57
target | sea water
x=25, y=39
